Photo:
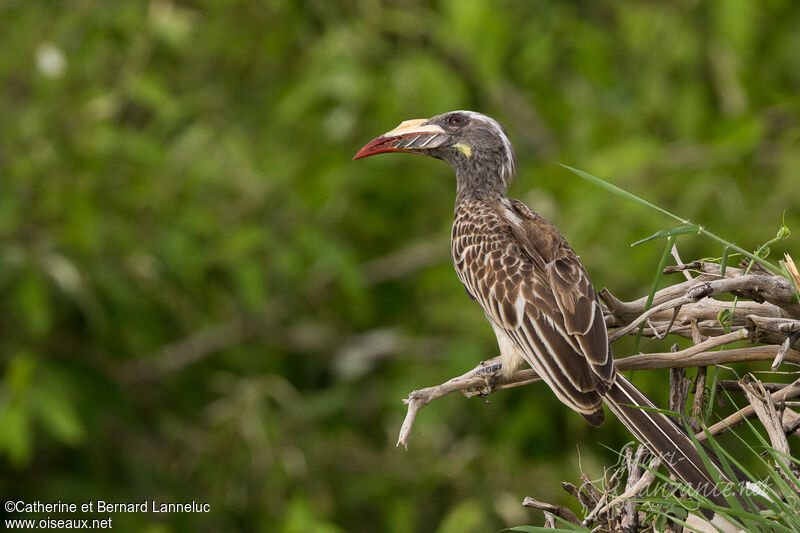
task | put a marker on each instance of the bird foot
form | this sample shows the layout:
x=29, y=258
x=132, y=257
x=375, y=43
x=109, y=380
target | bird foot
x=489, y=374
x=491, y=368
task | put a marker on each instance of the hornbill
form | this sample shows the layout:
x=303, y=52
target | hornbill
x=534, y=289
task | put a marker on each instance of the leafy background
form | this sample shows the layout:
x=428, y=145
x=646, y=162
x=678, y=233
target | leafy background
x=202, y=297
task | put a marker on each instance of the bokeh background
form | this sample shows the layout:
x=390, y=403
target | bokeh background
x=203, y=298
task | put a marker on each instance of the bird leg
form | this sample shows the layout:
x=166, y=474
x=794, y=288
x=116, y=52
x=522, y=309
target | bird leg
x=489, y=370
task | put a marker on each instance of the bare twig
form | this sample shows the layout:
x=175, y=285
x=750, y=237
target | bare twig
x=790, y=420
x=687, y=309
x=557, y=510
x=792, y=268
x=699, y=389
x=196, y=347
x=678, y=390
x=704, y=267
x=773, y=330
x=760, y=288
x=777, y=291
x=581, y=495
x=476, y=379
x=678, y=360
x=764, y=407
x=788, y=392
x=792, y=338
x=677, y=257
x=733, y=385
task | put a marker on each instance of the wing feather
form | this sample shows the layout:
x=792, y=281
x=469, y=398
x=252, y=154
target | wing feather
x=535, y=292
x=572, y=290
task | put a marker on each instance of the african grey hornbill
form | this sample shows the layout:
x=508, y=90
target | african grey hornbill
x=533, y=288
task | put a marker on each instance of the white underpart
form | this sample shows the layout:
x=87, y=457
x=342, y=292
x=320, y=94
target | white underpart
x=508, y=168
x=510, y=355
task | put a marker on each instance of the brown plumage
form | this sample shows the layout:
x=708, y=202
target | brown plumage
x=537, y=297
x=533, y=288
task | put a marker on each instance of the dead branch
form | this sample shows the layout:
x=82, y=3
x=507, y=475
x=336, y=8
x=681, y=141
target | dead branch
x=790, y=421
x=773, y=330
x=416, y=256
x=733, y=385
x=487, y=378
x=699, y=388
x=689, y=309
x=678, y=390
x=557, y=510
x=786, y=393
x=764, y=407
x=704, y=267
x=678, y=360
x=777, y=291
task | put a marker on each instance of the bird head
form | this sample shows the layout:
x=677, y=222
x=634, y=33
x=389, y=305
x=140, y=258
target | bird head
x=474, y=144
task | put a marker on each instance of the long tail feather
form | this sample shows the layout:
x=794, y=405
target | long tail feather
x=665, y=439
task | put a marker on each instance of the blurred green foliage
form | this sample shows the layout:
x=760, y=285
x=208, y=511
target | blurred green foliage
x=204, y=299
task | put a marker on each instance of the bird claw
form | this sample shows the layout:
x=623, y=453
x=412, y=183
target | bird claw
x=489, y=374
x=488, y=387
x=488, y=371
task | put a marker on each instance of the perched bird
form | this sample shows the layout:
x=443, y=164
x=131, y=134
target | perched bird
x=534, y=289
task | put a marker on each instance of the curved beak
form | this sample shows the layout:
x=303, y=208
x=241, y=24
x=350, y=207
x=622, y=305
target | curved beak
x=409, y=136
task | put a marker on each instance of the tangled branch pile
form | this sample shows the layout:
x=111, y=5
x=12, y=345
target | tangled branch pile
x=765, y=312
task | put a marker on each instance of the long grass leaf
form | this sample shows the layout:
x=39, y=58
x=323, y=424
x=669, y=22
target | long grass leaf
x=653, y=288
x=621, y=192
x=723, y=264
x=693, y=228
x=701, y=230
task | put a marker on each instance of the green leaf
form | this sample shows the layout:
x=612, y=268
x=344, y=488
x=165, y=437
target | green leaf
x=625, y=194
x=622, y=192
x=723, y=264
x=680, y=230
x=654, y=287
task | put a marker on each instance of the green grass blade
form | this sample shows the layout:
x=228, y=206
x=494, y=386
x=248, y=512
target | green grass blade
x=653, y=288
x=723, y=264
x=712, y=394
x=621, y=192
x=769, y=266
x=680, y=230
x=641, y=201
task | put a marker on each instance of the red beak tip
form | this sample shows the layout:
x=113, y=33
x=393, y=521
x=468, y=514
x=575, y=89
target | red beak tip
x=372, y=148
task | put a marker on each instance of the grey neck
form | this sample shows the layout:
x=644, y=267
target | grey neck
x=481, y=179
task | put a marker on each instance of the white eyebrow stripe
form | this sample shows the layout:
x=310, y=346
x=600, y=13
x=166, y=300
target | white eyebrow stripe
x=509, y=168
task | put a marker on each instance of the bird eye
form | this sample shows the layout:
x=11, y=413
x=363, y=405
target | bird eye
x=456, y=120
